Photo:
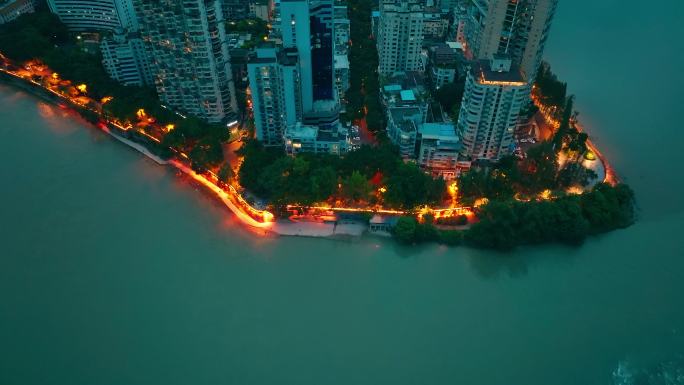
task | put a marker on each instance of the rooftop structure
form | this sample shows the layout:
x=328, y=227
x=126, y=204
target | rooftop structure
x=307, y=138
x=402, y=127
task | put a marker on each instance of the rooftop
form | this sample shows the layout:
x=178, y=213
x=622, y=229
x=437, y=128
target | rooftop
x=408, y=96
x=401, y=114
x=301, y=131
x=326, y=136
x=341, y=61
x=483, y=72
x=441, y=131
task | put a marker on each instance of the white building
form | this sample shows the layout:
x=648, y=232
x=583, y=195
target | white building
x=191, y=63
x=438, y=149
x=402, y=128
x=400, y=35
x=495, y=92
x=11, y=9
x=95, y=15
x=305, y=138
x=125, y=59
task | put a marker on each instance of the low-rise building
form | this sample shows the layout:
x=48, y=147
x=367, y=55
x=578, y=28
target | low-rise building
x=310, y=138
x=443, y=65
x=11, y=9
x=438, y=150
x=435, y=23
x=402, y=128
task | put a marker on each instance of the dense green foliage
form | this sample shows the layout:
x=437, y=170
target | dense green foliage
x=550, y=90
x=201, y=142
x=507, y=224
x=409, y=231
x=504, y=225
x=355, y=177
x=364, y=86
x=449, y=97
x=538, y=172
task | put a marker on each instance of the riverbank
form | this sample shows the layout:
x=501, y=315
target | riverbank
x=498, y=225
x=283, y=228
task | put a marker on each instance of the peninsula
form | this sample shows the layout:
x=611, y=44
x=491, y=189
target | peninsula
x=394, y=161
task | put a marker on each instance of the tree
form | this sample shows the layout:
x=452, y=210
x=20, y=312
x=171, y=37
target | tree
x=355, y=187
x=574, y=174
x=496, y=228
x=564, y=127
x=226, y=173
x=449, y=95
x=405, y=230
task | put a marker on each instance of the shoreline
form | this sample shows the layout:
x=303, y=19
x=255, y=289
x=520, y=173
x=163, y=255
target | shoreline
x=280, y=228
x=230, y=197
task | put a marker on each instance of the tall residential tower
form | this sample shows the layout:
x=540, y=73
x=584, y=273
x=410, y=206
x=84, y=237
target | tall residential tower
x=518, y=28
x=495, y=92
x=190, y=61
x=400, y=35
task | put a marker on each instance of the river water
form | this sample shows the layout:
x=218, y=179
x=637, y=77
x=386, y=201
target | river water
x=115, y=271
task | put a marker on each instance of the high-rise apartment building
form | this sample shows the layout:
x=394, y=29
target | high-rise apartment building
x=275, y=88
x=124, y=58
x=495, y=92
x=86, y=15
x=518, y=28
x=186, y=40
x=308, y=26
x=302, y=71
x=400, y=35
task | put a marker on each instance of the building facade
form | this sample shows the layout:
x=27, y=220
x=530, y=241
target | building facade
x=439, y=149
x=495, y=93
x=518, y=28
x=86, y=15
x=11, y=9
x=125, y=60
x=308, y=27
x=400, y=35
x=275, y=89
x=190, y=60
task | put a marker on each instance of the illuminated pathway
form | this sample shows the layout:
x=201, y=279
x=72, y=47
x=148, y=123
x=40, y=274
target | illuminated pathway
x=260, y=219
x=546, y=113
x=225, y=197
